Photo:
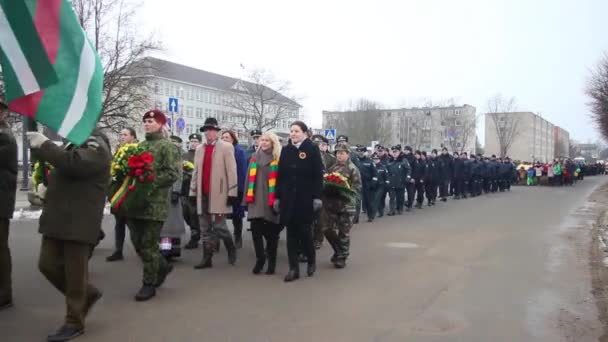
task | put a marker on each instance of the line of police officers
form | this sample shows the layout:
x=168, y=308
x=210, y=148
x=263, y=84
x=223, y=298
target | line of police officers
x=409, y=177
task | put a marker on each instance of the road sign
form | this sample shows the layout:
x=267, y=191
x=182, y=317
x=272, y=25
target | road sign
x=173, y=105
x=330, y=134
x=180, y=124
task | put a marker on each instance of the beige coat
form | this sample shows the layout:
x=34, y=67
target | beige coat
x=223, y=178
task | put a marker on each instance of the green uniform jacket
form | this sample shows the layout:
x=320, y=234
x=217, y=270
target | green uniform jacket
x=77, y=185
x=350, y=171
x=166, y=159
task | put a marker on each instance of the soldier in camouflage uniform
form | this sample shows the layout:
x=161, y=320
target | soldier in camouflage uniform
x=328, y=160
x=188, y=205
x=145, y=224
x=337, y=212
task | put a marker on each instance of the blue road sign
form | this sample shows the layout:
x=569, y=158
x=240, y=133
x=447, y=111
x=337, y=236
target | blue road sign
x=180, y=124
x=330, y=134
x=173, y=105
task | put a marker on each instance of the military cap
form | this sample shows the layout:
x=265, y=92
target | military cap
x=319, y=139
x=255, y=133
x=361, y=148
x=156, y=115
x=408, y=148
x=195, y=136
x=396, y=148
x=342, y=138
x=342, y=147
x=176, y=139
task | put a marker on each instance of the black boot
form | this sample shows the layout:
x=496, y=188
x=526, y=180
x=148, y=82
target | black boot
x=116, y=256
x=192, y=244
x=292, y=275
x=259, y=265
x=162, y=275
x=271, y=252
x=207, y=261
x=310, y=271
x=340, y=263
x=231, y=249
x=65, y=333
x=391, y=213
x=258, y=246
x=145, y=293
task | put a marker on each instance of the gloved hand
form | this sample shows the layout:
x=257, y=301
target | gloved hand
x=36, y=139
x=316, y=204
x=276, y=206
x=232, y=200
x=174, y=197
x=412, y=180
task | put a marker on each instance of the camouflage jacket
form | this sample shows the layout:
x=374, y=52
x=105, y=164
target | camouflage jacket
x=328, y=159
x=166, y=160
x=350, y=171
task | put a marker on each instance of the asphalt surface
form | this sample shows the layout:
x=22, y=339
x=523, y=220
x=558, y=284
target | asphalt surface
x=504, y=267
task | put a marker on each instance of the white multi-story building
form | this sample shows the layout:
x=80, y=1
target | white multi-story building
x=202, y=94
x=533, y=137
x=423, y=128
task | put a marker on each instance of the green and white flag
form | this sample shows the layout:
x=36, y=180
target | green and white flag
x=51, y=71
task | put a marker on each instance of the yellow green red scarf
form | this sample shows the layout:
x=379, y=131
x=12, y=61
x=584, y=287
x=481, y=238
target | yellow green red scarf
x=272, y=180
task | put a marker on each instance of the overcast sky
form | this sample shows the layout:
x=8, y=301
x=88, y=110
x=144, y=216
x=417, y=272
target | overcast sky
x=398, y=52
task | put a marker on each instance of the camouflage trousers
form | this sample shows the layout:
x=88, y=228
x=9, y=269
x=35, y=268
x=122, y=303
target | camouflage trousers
x=336, y=223
x=145, y=235
x=214, y=228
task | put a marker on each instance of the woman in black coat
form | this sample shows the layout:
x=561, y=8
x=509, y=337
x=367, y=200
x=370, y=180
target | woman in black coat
x=299, y=188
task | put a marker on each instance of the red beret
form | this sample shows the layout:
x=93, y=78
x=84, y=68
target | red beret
x=157, y=115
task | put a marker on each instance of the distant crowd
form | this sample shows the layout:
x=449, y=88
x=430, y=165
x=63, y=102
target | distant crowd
x=558, y=172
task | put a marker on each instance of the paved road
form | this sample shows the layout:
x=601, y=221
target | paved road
x=505, y=267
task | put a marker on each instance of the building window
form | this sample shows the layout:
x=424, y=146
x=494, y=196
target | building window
x=189, y=112
x=198, y=95
x=172, y=91
x=156, y=88
x=199, y=113
x=167, y=90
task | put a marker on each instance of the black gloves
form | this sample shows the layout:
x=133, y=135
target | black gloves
x=232, y=200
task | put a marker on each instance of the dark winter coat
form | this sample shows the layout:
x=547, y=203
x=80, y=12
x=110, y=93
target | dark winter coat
x=458, y=168
x=383, y=176
x=187, y=176
x=75, y=197
x=300, y=181
x=433, y=169
x=468, y=164
x=369, y=175
x=8, y=172
x=418, y=169
x=241, y=173
x=476, y=168
x=399, y=173
x=445, y=163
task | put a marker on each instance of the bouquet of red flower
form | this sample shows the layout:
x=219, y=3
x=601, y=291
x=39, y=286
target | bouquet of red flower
x=336, y=185
x=137, y=183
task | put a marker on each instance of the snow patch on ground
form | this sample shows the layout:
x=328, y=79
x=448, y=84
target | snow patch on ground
x=402, y=245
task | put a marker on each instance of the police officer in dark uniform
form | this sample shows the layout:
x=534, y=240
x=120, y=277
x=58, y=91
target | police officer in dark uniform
x=419, y=174
x=410, y=186
x=380, y=195
x=444, y=163
x=458, y=178
x=399, y=175
x=476, y=172
x=430, y=183
x=369, y=178
x=255, y=136
x=495, y=173
x=468, y=175
x=510, y=174
x=188, y=204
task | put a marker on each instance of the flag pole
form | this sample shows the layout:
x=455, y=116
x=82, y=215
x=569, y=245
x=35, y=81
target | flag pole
x=25, y=186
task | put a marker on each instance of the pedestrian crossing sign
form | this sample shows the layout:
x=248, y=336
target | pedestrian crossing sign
x=330, y=134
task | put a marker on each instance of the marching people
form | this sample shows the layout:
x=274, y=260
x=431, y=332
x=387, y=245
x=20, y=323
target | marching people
x=431, y=184
x=379, y=197
x=298, y=197
x=8, y=189
x=255, y=136
x=146, y=220
x=411, y=185
x=369, y=178
x=458, y=176
x=174, y=228
x=260, y=196
x=215, y=186
x=445, y=173
x=189, y=204
x=328, y=160
x=468, y=174
x=419, y=174
x=398, y=178
x=238, y=211
x=127, y=136
x=476, y=176
x=70, y=222
x=337, y=210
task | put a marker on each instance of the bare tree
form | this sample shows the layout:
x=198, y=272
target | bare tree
x=261, y=101
x=597, y=90
x=361, y=121
x=111, y=27
x=506, y=123
x=460, y=130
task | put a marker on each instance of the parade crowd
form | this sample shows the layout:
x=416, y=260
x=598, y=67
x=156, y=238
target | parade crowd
x=314, y=193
